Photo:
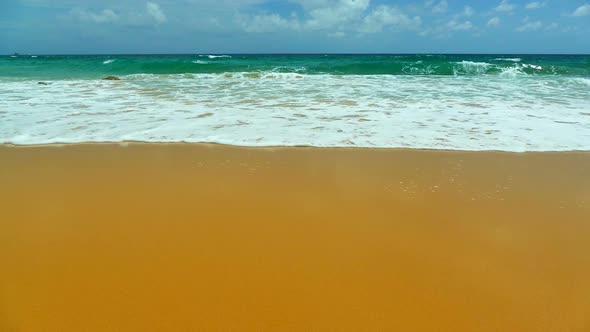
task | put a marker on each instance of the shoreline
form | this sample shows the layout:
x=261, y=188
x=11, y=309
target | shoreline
x=279, y=147
x=193, y=236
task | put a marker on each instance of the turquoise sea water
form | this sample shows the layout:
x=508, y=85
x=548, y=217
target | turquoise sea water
x=69, y=67
x=464, y=102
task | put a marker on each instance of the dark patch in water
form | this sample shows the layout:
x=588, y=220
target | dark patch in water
x=474, y=105
x=204, y=115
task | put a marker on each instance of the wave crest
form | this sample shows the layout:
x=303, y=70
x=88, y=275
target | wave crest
x=508, y=59
x=214, y=56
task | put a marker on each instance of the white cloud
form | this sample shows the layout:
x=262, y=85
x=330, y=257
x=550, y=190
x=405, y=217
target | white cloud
x=583, y=10
x=309, y=5
x=494, y=22
x=104, y=16
x=155, y=12
x=384, y=16
x=266, y=23
x=535, y=5
x=505, y=6
x=327, y=14
x=468, y=11
x=446, y=29
x=337, y=18
x=552, y=26
x=530, y=26
x=454, y=25
x=440, y=7
x=131, y=15
x=437, y=7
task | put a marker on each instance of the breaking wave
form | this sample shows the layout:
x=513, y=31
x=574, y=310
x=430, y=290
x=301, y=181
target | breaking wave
x=88, y=67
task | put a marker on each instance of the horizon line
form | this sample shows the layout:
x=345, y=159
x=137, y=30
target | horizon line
x=277, y=53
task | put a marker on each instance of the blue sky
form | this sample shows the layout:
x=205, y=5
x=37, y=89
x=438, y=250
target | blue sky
x=294, y=26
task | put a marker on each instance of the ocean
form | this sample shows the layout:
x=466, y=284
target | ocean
x=454, y=102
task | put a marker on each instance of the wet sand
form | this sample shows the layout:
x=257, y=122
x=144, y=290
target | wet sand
x=189, y=237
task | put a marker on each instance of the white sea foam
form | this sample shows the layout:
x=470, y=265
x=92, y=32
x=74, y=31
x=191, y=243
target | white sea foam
x=472, y=67
x=509, y=59
x=523, y=113
x=106, y=62
x=585, y=81
x=525, y=65
x=215, y=56
x=200, y=62
x=512, y=72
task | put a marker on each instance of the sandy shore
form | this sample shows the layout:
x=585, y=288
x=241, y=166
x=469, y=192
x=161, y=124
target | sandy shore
x=189, y=237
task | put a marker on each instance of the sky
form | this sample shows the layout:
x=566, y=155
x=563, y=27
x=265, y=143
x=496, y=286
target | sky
x=294, y=26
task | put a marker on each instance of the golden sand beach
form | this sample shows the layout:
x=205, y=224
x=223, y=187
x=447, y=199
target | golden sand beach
x=195, y=237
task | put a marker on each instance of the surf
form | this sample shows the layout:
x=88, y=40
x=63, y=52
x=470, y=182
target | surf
x=92, y=67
